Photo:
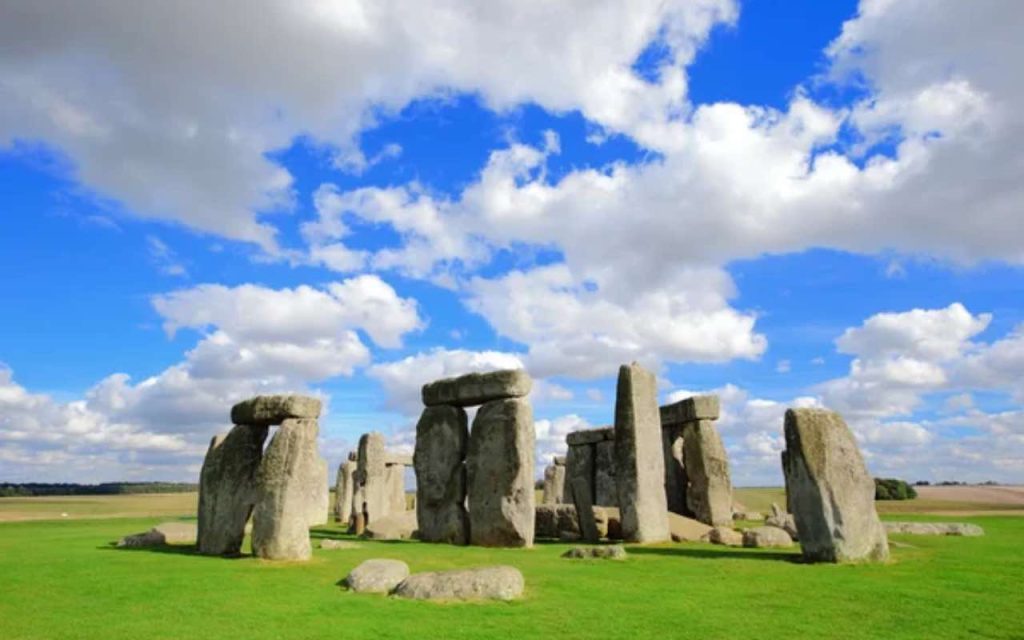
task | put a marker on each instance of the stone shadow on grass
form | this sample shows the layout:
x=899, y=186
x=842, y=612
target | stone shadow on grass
x=173, y=549
x=776, y=556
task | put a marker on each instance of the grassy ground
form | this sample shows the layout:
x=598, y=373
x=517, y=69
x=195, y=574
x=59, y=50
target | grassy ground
x=62, y=579
x=77, y=507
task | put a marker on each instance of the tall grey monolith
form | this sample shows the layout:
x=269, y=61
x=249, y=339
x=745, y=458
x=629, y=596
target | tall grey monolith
x=554, y=482
x=343, y=490
x=227, y=488
x=371, y=490
x=442, y=437
x=709, y=490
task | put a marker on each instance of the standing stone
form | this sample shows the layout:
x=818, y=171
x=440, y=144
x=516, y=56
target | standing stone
x=605, y=491
x=394, y=479
x=287, y=482
x=585, y=513
x=554, y=484
x=579, y=465
x=499, y=466
x=442, y=435
x=675, y=471
x=319, y=504
x=371, y=484
x=227, y=488
x=831, y=492
x=709, y=493
x=343, y=491
x=639, y=461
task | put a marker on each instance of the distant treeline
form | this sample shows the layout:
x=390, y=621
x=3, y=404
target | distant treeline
x=954, y=483
x=893, y=489
x=10, y=490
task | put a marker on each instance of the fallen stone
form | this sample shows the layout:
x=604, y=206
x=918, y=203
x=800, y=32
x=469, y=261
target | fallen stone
x=287, y=481
x=610, y=552
x=331, y=544
x=683, y=529
x=726, y=536
x=395, y=526
x=162, y=534
x=442, y=437
x=639, y=462
x=830, y=491
x=379, y=575
x=934, y=528
x=477, y=388
x=709, y=489
x=499, y=475
x=227, y=489
x=765, y=537
x=272, y=410
x=781, y=519
x=590, y=436
x=690, y=410
x=488, y=583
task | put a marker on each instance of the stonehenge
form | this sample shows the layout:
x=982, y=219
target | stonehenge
x=476, y=486
x=370, y=485
x=283, y=488
x=829, y=489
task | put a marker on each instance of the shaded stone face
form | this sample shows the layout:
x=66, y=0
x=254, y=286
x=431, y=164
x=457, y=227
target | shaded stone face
x=227, y=489
x=372, y=496
x=830, y=491
x=477, y=388
x=691, y=409
x=590, y=436
x=442, y=437
x=499, y=465
x=709, y=492
x=605, y=490
x=273, y=410
x=287, y=486
x=675, y=470
x=639, y=459
x=579, y=464
x=585, y=513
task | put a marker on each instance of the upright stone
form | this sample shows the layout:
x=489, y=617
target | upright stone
x=227, y=488
x=499, y=466
x=675, y=471
x=319, y=503
x=554, y=484
x=579, y=465
x=831, y=493
x=639, y=459
x=286, y=486
x=343, y=491
x=442, y=435
x=606, y=493
x=709, y=493
x=371, y=483
x=394, y=479
x=585, y=513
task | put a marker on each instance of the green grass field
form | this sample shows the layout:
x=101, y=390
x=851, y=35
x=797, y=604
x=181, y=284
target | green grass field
x=62, y=579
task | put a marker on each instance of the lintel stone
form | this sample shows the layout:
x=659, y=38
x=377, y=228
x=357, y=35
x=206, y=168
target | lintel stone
x=590, y=436
x=272, y=410
x=690, y=410
x=477, y=388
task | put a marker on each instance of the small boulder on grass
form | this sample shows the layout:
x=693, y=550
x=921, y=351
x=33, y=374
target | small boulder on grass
x=379, y=575
x=610, y=552
x=161, y=534
x=329, y=543
x=726, y=536
x=486, y=583
x=766, y=537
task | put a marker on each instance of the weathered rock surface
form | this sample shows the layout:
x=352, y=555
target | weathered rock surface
x=395, y=526
x=610, y=552
x=763, y=537
x=499, y=470
x=287, y=483
x=683, y=529
x=343, y=492
x=747, y=515
x=477, y=388
x=559, y=521
x=442, y=437
x=709, y=492
x=590, y=436
x=639, y=461
x=675, y=472
x=781, y=519
x=579, y=465
x=726, y=536
x=271, y=410
x=830, y=491
x=334, y=545
x=227, y=489
x=934, y=528
x=690, y=410
x=319, y=503
x=164, y=533
x=394, y=483
x=379, y=575
x=488, y=583
x=371, y=490
x=606, y=491
x=554, y=484
x=585, y=513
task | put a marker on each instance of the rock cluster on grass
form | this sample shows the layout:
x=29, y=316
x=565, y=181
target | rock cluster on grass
x=283, y=488
x=490, y=468
x=379, y=575
x=766, y=537
x=683, y=529
x=829, y=490
x=726, y=536
x=609, y=552
x=392, y=577
x=781, y=519
x=934, y=528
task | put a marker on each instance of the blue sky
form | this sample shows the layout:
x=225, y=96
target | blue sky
x=789, y=204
